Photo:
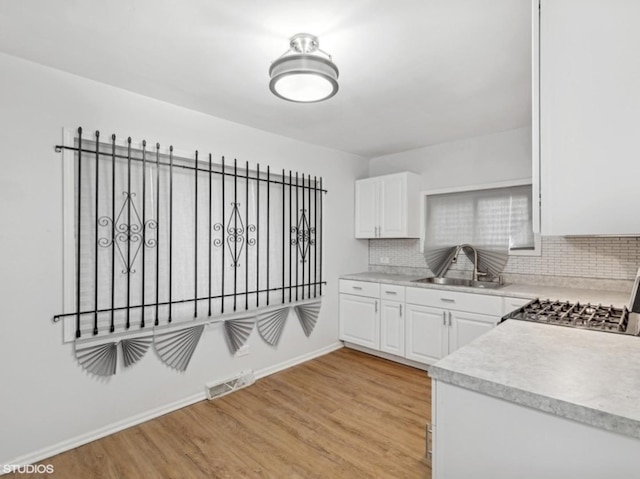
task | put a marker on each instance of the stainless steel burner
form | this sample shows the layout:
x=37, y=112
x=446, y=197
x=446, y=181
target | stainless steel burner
x=576, y=315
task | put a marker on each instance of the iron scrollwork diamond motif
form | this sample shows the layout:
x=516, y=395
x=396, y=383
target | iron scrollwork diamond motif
x=235, y=234
x=131, y=232
x=303, y=235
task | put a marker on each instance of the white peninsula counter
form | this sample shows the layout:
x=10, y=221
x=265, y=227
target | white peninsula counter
x=537, y=401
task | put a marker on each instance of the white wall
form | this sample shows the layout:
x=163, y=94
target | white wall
x=46, y=397
x=485, y=159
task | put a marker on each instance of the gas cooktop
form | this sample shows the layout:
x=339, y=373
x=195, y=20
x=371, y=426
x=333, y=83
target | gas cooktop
x=609, y=319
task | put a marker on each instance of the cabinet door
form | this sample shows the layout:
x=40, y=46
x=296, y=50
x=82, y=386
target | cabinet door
x=465, y=327
x=360, y=320
x=393, y=205
x=589, y=121
x=425, y=333
x=392, y=327
x=366, y=214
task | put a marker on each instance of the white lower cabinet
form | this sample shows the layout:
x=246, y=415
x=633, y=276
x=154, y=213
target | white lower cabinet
x=419, y=324
x=441, y=321
x=392, y=325
x=360, y=320
x=425, y=334
x=464, y=327
x=432, y=333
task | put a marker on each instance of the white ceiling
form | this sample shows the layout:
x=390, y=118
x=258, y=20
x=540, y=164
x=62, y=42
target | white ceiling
x=412, y=72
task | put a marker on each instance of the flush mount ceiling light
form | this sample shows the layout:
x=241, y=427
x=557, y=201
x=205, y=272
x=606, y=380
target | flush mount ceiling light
x=301, y=74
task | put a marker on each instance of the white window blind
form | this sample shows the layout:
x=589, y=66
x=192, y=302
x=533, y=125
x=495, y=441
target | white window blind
x=498, y=218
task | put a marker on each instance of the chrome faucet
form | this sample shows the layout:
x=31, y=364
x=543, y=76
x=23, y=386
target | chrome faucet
x=459, y=248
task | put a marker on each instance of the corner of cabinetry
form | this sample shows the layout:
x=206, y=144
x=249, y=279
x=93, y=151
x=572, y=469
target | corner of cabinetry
x=535, y=115
x=413, y=205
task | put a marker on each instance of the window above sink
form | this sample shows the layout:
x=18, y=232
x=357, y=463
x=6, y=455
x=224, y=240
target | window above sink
x=498, y=214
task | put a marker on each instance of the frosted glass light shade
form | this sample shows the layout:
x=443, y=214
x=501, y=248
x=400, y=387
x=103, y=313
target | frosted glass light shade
x=303, y=87
x=303, y=78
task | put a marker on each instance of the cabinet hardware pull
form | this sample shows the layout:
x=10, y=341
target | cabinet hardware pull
x=444, y=318
x=400, y=310
x=391, y=292
x=357, y=287
x=376, y=306
x=448, y=300
x=449, y=318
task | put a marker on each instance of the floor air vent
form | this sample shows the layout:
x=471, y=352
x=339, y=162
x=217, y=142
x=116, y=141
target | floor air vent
x=219, y=389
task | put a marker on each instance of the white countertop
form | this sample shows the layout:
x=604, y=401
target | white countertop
x=591, y=377
x=515, y=290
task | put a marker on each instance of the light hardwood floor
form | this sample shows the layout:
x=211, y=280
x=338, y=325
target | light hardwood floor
x=343, y=415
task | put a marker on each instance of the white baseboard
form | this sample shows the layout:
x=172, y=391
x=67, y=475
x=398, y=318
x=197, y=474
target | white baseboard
x=298, y=360
x=105, y=431
x=390, y=357
x=78, y=441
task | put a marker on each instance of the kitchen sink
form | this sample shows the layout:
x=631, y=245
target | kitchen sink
x=460, y=282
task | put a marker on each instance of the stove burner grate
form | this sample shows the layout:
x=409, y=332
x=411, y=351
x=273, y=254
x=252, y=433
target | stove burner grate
x=576, y=315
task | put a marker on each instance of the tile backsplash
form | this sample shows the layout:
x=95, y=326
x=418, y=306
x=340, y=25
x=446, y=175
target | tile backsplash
x=616, y=258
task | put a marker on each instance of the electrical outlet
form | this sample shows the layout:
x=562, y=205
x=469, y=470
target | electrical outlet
x=384, y=260
x=242, y=351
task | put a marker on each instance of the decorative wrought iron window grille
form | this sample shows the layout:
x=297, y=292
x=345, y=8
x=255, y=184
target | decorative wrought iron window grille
x=163, y=239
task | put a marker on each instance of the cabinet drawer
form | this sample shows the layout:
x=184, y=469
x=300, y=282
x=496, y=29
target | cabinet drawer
x=454, y=300
x=360, y=288
x=511, y=304
x=392, y=292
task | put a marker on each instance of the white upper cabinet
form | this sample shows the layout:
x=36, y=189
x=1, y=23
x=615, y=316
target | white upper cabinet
x=387, y=206
x=367, y=208
x=393, y=207
x=589, y=117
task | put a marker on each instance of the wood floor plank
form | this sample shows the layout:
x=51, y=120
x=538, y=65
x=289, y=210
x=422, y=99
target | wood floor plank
x=343, y=415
